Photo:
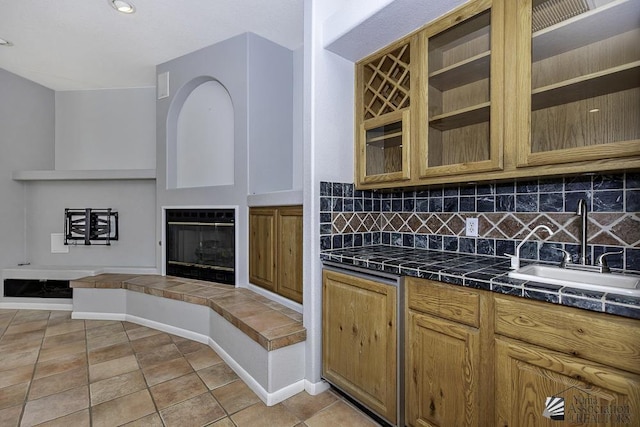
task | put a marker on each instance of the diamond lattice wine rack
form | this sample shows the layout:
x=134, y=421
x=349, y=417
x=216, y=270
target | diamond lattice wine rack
x=387, y=81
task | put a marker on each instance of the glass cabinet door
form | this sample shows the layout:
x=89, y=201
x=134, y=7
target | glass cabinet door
x=463, y=92
x=385, y=150
x=580, y=84
x=383, y=103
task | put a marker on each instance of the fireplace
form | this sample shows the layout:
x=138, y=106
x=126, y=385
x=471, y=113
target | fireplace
x=201, y=244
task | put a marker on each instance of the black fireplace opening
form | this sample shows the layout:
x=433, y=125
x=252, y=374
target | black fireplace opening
x=201, y=244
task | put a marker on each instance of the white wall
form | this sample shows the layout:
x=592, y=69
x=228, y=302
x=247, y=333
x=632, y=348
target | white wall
x=298, y=118
x=353, y=29
x=187, y=73
x=134, y=201
x=204, y=140
x=105, y=129
x=101, y=129
x=328, y=156
x=258, y=76
x=26, y=142
x=270, y=73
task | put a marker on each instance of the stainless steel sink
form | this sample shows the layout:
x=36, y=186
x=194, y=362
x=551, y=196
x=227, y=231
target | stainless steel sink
x=588, y=280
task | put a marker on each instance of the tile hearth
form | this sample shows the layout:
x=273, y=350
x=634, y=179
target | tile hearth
x=267, y=322
x=56, y=371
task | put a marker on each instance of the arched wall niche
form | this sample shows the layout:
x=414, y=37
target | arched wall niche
x=200, y=135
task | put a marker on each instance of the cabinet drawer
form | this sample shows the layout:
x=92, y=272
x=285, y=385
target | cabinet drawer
x=445, y=301
x=604, y=338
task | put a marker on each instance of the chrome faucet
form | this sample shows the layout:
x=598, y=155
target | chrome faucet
x=515, y=259
x=582, y=211
x=601, y=264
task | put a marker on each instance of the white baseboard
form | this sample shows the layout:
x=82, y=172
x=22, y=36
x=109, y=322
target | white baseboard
x=35, y=306
x=83, y=315
x=184, y=333
x=242, y=373
x=285, y=393
x=316, y=388
x=269, y=399
x=144, y=322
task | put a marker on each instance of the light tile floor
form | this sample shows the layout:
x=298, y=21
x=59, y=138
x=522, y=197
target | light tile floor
x=55, y=371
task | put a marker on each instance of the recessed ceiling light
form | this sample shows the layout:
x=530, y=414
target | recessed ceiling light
x=4, y=42
x=122, y=6
x=594, y=110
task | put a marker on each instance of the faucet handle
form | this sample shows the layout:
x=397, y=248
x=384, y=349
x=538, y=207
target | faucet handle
x=515, y=261
x=602, y=261
x=566, y=257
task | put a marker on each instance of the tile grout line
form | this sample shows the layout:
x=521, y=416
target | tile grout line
x=225, y=413
x=33, y=374
x=24, y=404
x=33, y=379
x=148, y=388
x=86, y=350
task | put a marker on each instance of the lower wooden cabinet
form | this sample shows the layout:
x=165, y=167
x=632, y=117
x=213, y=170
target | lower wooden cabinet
x=275, y=249
x=262, y=247
x=443, y=383
x=558, y=366
x=359, y=340
x=448, y=374
x=476, y=358
x=289, y=252
x=537, y=387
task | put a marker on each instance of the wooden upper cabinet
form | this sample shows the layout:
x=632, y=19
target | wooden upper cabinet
x=383, y=101
x=578, y=85
x=461, y=102
x=503, y=89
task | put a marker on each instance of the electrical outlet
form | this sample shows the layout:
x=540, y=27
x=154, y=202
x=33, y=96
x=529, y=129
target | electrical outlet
x=472, y=227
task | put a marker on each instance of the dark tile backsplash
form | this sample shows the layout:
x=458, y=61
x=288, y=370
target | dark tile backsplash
x=506, y=212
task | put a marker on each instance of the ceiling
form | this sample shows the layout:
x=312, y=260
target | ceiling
x=86, y=44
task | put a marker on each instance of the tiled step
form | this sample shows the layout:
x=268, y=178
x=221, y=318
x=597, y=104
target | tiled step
x=266, y=322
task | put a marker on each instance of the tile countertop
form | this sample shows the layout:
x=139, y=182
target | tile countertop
x=476, y=271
